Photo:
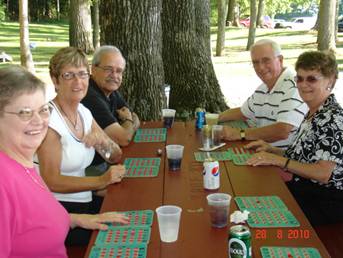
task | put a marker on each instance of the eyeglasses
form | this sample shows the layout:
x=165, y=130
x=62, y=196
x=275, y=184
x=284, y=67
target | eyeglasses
x=109, y=70
x=26, y=114
x=312, y=79
x=72, y=75
x=264, y=61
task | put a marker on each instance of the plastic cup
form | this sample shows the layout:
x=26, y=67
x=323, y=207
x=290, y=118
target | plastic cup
x=217, y=134
x=168, y=117
x=211, y=119
x=219, y=204
x=168, y=217
x=174, y=155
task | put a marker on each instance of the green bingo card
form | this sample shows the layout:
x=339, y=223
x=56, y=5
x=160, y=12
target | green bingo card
x=127, y=251
x=240, y=124
x=151, y=135
x=288, y=252
x=123, y=235
x=255, y=203
x=272, y=219
x=142, y=167
x=137, y=218
x=219, y=155
x=240, y=155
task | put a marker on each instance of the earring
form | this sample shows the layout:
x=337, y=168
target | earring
x=328, y=88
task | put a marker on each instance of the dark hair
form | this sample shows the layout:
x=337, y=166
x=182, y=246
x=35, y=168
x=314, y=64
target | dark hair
x=323, y=61
x=67, y=56
x=15, y=81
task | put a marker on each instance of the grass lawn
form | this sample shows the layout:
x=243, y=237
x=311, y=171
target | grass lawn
x=233, y=69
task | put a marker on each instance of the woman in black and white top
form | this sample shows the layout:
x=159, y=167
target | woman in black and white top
x=316, y=156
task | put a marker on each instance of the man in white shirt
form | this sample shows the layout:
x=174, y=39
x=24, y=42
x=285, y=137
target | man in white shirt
x=275, y=107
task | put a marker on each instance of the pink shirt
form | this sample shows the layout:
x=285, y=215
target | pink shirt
x=32, y=222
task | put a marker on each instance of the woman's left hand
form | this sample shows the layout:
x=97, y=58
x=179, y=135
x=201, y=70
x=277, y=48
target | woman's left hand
x=97, y=221
x=265, y=158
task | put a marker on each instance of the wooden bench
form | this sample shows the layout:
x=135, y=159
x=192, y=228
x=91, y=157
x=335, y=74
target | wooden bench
x=332, y=237
x=76, y=251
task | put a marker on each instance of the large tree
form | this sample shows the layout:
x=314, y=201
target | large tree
x=252, y=28
x=135, y=28
x=25, y=53
x=187, y=56
x=184, y=60
x=222, y=14
x=326, y=29
x=80, y=25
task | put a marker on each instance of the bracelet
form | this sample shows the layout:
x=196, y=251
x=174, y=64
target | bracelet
x=286, y=164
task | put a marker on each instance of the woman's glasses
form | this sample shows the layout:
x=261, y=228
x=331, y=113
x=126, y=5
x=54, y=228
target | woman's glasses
x=26, y=114
x=72, y=75
x=312, y=79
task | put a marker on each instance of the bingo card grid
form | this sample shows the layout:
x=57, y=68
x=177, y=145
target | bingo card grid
x=137, y=218
x=123, y=236
x=127, y=251
x=272, y=219
x=240, y=155
x=219, y=155
x=287, y=252
x=142, y=167
x=150, y=135
x=255, y=203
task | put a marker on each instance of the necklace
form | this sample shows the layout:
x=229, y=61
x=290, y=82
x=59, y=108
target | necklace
x=43, y=186
x=76, y=124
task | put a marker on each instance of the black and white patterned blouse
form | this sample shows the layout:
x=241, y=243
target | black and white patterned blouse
x=321, y=139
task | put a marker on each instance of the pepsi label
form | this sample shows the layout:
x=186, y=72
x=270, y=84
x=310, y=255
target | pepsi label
x=211, y=175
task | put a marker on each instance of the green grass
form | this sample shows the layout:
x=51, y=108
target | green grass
x=50, y=37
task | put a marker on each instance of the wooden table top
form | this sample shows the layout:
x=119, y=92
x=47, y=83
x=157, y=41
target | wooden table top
x=185, y=188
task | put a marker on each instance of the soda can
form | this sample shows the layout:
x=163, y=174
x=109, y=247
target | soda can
x=211, y=174
x=200, y=118
x=239, y=242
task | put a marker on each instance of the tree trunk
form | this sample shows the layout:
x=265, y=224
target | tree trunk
x=96, y=26
x=260, y=13
x=80, y=25
x=25, y=53
x=135, y=28
x=252, y=28
x=58, y=9
x=231, y=12
x=187, y=57
x=326, y=31
x=222, y=13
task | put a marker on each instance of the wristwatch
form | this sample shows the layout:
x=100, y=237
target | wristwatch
x=242, y=134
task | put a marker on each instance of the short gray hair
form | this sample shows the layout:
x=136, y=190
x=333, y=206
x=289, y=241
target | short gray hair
x=275, y=46
x=102, y=50
x=16, y=80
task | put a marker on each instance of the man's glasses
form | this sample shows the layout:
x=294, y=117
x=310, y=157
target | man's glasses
x=72, y=75
x=312, y=79
x=263, y=61
x=26, y=114
x=109, y=70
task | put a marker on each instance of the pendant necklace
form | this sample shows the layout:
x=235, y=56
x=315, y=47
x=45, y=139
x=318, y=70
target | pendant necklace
x=43, y=186
x=76, y=124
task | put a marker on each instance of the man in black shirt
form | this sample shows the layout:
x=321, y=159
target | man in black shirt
x=108, y=107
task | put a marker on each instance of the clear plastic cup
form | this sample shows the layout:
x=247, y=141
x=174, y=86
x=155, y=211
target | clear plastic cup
x=168, y=117
x=219, y=204
x=211, y=119
x=168, y=217
x=174, y=155
x=217, y=134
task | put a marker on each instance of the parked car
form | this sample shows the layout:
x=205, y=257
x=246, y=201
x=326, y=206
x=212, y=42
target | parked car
x=340, y=24
x=277, y=23
x=299, y=23
x=267, y=22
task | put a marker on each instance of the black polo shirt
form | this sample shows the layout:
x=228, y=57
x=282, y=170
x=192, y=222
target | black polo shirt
x=103, y=109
